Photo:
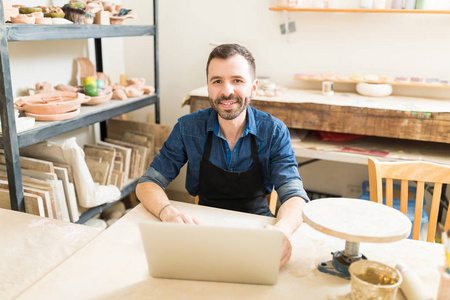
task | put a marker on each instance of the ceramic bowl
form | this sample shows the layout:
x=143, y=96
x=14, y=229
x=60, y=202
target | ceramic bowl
x=99, y=99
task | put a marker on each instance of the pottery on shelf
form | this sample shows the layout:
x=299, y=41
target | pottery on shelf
x=55, y=102
x=54, y=117
x=23, y=19
x=44, y=21
x=116, y=20
x=99, y=99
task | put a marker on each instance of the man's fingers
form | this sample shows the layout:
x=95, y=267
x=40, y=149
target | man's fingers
x=286, y=252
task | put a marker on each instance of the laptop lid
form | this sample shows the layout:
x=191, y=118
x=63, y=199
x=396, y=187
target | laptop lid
x=211, y=253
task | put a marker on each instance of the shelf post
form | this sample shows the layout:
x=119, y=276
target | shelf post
x=156, y=61
x=99, y=68
x=9, y=133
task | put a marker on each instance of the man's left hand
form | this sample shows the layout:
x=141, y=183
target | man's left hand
x=286, y=249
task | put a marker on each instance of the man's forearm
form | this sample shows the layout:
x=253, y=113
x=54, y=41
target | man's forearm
x=152, y=196
x=289, y=216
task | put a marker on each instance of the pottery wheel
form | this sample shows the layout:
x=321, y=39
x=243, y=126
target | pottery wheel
x=355, y=221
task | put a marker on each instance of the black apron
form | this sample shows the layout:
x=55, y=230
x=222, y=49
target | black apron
x=239, y=191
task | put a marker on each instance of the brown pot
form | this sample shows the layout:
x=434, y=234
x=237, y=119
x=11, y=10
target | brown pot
x=55, y=102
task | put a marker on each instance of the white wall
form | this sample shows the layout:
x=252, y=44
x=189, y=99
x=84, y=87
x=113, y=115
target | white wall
x=346, y=43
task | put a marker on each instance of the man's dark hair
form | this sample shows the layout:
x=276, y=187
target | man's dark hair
x=225, y=51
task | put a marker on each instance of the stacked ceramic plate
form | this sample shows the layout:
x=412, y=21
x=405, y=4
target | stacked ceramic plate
x=52, y=106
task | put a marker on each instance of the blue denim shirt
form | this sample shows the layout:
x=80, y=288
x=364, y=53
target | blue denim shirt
x=187, y=139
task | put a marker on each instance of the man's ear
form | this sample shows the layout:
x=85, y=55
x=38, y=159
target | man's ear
x=254, y=88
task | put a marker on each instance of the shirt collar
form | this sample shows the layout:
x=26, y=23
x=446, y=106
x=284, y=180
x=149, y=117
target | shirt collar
x=250, y=127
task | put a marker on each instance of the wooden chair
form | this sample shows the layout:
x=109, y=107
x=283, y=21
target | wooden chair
x=417, y=171
x=271, y=199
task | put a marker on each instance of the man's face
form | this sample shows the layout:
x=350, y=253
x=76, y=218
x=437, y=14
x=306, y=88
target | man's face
x=230, y=86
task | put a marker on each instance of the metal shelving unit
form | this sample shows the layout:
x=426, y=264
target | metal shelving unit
x=11, y=141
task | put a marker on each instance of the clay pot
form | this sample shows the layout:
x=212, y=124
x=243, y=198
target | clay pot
x=67, y=88
x=138, y=82
x=148, y=89
x=132, y=91
x=44, y=21
x=119, y=94
x=23, y=19
x=54, y=117
x=115, y=20
x=99, y=99
x=55, y=102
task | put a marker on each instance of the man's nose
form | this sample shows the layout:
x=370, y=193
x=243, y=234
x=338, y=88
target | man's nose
x=227, y=89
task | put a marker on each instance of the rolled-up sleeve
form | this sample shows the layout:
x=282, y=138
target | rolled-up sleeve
x=291, y=189
x=152, y=175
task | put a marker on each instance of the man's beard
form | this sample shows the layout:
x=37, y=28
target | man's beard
x=229, y=114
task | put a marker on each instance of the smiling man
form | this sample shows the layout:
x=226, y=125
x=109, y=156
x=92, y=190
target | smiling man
x=236, y=154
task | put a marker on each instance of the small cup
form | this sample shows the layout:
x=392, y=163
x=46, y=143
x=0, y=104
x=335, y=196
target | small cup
x=373, y=280
x=327, y=88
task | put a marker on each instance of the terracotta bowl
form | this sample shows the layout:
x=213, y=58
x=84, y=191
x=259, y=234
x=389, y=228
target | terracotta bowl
x=99, y=99
x=23, y=19
x=54, y=117
x=55, y=102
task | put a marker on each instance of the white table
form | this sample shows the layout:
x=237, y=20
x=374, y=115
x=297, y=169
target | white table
x=32, y=246
x=113, y=265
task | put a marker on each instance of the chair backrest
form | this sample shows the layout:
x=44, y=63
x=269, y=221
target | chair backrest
x=271, y=199
x=419, y=172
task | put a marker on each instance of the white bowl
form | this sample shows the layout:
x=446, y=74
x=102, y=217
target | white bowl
x=374, y=89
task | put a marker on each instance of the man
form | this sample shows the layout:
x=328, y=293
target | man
x=235, y=153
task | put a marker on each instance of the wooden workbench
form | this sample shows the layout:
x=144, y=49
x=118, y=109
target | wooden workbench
x=113, y=265
x=32, y=246
x=398, y=117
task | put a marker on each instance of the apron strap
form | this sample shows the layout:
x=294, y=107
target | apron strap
x=208, y=144
x=207, y=149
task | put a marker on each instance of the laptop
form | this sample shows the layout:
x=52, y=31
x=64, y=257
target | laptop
x=212, y=253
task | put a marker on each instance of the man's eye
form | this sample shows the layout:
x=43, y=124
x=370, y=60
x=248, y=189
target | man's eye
x=217, y=81
x=238, y=81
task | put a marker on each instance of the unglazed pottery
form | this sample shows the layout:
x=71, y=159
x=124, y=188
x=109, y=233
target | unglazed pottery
x=54, y=117
x=99, y=99
x=55, y=102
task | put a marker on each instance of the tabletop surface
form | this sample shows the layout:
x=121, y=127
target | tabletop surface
x=357, y=220
x=113, y=265
x=32, y=246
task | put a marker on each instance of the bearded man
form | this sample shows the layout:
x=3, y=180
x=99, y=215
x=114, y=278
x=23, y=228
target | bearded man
x=236, y=154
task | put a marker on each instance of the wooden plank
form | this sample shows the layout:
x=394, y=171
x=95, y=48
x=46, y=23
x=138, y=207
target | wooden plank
x=119, y=175
x=99, y=171
x=138, y=151
x=45, y=195
x=432, y=127
x=142, y=139
x=69, y=192
x=33, y=203
x=117, y=127
x=126, y=153
x=31, y=163
x=37, y=184
x=106, y=154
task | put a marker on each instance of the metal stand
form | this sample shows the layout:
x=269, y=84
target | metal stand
x=338, y=266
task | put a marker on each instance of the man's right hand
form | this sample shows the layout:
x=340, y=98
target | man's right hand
x=173, y=215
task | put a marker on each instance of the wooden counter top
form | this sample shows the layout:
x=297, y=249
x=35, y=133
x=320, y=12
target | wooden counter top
x=113, y=265
x=31, y=246
x=422, y=119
